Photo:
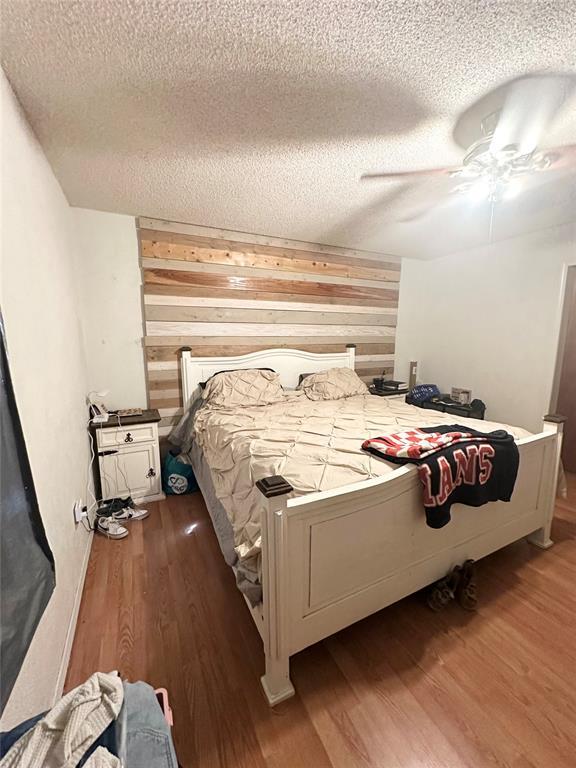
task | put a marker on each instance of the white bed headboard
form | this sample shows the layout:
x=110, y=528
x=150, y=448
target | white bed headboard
x=288, y=363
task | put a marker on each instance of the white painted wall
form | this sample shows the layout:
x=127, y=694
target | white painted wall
x=38, y=298
x=110, y=301
x=488, y=319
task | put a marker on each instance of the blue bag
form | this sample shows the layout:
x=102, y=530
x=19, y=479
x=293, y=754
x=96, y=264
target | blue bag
x=422, y=392
x=177, y=477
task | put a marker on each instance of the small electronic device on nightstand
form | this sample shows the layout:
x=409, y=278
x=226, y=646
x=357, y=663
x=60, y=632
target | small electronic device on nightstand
x=387, y=387
x=98, y=412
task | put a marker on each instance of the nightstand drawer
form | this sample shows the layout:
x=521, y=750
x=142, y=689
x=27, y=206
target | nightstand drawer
x=113, y=436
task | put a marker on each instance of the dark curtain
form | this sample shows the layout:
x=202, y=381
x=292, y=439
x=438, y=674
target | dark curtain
x=27, y=576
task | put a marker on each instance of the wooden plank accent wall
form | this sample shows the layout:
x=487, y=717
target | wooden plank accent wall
x=226, y=293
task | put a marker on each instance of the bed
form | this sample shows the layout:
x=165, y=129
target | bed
x=330, y=557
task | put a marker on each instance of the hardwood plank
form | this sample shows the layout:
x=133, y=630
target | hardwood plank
x=169, y=374
x=330, y=702
x=393, y=711
x=166, y=389
x=505, y=691
x=159, y=289
x=157, y=328
x=170, y=390
x=249, y=315
x=192, y=301
x=174, y=365
x=237, y=237
x=160, y=391
x=374, y=358
x=154, y=401
x=486, y=744
x=168, y=384
x=161, y=354
x=168, y=412
x=367, y=377
x=233, y=257
x=164, y=365
x=369, y=373
x=268, y=342
x=266, y=284
x=403, y=688
x=175, y=265
x=376, y=262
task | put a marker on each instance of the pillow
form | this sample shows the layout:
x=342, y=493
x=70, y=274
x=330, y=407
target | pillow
x=243, y=388
x=228, y=370
x=333, y=384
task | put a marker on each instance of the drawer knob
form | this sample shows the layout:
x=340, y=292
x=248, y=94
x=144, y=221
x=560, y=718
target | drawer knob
x=128, y=438
x=151, y=472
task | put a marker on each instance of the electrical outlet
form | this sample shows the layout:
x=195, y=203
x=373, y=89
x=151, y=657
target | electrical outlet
x=79, y=512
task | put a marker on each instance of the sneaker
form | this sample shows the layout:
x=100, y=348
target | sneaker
x=122, y=509
x=111, y=528
x=130, y=513
x=109, y=506
x=442, y=592
x=466, y=593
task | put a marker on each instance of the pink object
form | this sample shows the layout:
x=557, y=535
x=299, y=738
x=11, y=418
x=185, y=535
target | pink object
x=162, y=696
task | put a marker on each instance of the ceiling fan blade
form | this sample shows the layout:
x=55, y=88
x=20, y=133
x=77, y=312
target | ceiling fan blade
x=560, y=157
x=408, y=175
x=530, y=105
x=420, y=212
x=363, y=219
x=429, y=197
x=549, y=184
x=529, y=189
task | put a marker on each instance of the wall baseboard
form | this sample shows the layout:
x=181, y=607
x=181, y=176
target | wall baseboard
x=63, y=669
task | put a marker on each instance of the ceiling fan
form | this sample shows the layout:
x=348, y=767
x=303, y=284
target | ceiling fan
x=511, y=122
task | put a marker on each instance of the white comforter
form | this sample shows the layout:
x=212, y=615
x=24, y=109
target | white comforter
x=315, y=445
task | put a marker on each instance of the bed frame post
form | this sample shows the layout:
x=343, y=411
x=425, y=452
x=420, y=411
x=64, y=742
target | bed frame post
x=351, y=350
x=276, y=681
x=552, y=424
x=185, y=357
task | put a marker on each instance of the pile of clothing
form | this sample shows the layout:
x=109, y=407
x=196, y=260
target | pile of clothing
x=103, y=723
x=456, y=465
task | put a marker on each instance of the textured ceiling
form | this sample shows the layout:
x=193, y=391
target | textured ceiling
x=261, y=116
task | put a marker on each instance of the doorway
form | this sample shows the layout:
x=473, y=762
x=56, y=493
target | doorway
x=566, y=378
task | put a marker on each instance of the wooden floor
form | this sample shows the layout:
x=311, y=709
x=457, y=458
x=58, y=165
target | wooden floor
x=405, y=688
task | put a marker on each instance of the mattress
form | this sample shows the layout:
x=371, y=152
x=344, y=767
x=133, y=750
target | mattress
x=315, y=445
x=247, y=580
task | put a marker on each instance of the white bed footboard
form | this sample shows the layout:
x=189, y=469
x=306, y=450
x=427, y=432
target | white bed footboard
x=334, y=557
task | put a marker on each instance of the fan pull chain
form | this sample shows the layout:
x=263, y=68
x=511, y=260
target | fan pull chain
x=491, y=229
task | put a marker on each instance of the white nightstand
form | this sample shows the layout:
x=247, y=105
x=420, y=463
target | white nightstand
x=129, y=457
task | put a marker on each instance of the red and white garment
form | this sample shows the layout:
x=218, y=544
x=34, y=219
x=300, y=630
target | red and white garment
x=456, y=465
x=415, y=443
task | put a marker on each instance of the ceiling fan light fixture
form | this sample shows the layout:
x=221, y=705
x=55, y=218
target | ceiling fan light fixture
x=480, y=190
x=506, y=151
x=511, y=189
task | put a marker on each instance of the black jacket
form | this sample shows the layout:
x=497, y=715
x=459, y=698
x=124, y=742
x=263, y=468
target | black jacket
x=471, y=473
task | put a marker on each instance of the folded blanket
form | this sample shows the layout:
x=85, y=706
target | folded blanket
x=416, y=443
x=456, y=465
